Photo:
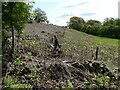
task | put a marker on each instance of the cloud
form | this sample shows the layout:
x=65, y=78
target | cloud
x=88, y=14
x=65, y=15
x=72, y=3
x=45, y=1
x=75, y=5
x=41, y=1
x=60, y=11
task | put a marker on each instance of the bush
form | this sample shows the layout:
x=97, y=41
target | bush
x=109, y=29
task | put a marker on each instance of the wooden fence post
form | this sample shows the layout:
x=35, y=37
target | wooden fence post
x=96, y=54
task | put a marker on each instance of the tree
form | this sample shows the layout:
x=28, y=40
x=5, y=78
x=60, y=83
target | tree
x=9, y=20
x=111, y=21
x=108, y=21
x=15, y=15
x=112, y=27
x=76, y=22
x=40, y=16
x=93, y=22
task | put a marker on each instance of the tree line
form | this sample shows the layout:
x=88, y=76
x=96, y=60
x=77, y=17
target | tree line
x=109, y=28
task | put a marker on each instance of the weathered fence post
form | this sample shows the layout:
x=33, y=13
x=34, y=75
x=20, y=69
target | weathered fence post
x=96, y=54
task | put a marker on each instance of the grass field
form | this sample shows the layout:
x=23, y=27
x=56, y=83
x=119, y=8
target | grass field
x=106, y=41
x=96, y=39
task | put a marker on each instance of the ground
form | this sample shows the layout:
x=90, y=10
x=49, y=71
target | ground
x=76, y=45
x=74, y=67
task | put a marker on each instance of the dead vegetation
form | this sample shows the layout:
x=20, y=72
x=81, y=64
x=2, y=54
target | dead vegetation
x=49, y=58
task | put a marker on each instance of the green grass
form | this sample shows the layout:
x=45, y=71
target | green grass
x=106, y=41
x=96, y=39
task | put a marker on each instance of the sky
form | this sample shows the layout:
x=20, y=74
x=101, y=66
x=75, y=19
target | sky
x=60, y=11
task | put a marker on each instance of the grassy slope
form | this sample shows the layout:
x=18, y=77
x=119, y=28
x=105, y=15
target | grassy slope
x=108, y=51
x=99, y=40
x=79, y=46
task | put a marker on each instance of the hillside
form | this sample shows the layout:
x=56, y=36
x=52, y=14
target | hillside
x=72, y=65
x=80, y=46
x=77, y=48
x=37, y=55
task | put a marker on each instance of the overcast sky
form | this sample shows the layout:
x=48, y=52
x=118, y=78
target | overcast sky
x=59, y=11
